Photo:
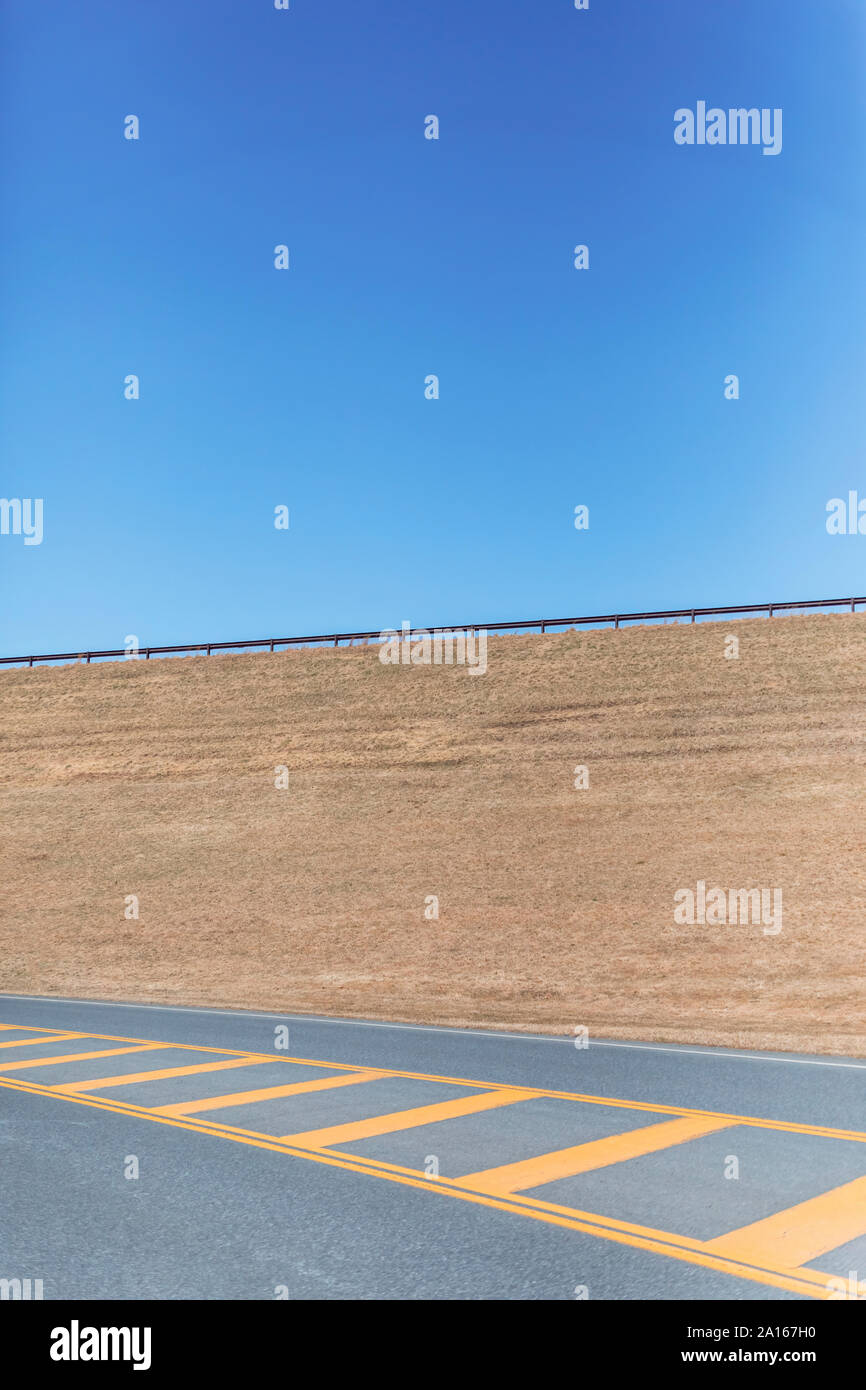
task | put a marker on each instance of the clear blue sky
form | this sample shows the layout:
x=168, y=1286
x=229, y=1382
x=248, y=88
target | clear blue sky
x=409, y=257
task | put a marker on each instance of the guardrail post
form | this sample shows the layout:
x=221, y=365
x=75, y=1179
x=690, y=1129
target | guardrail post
x=770, y=611
x=693, y=615
x=147, y=654
x=616, y=621
x=852, y=605
x=208, y=648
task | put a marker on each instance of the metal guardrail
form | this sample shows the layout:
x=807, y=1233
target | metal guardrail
x=531, y=624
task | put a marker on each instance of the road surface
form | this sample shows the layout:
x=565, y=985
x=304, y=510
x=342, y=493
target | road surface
x=173, y=1153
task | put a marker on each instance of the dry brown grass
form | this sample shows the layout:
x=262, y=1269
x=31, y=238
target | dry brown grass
x=157, y=778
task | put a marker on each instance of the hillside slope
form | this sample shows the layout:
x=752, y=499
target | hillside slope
x=556, y=905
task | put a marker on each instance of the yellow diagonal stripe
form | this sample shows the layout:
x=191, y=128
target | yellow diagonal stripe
x=29, y=1042
x=800, y=1233
x=33, y=1028
x=582, y=1158
x=129, y=1078
x=79, y=1056
x=294, y=1088
x=403, y=1119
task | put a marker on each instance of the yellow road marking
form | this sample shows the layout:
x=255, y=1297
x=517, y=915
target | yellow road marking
x=812, y=1276
x=27, y=1042
x=32, y=1028
x=294, y=1088
x=802, y=1232
x=129, y=1078
x=79, y=1056
x=804, y=1282
x=787, y=1126
x=402, y=1119
x=811, y=1283
x=583, y=1158
x=557, y=1209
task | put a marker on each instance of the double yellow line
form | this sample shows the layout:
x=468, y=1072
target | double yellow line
x=765, y=1252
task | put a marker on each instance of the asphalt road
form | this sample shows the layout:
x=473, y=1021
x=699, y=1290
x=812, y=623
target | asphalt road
x=262, y=1156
